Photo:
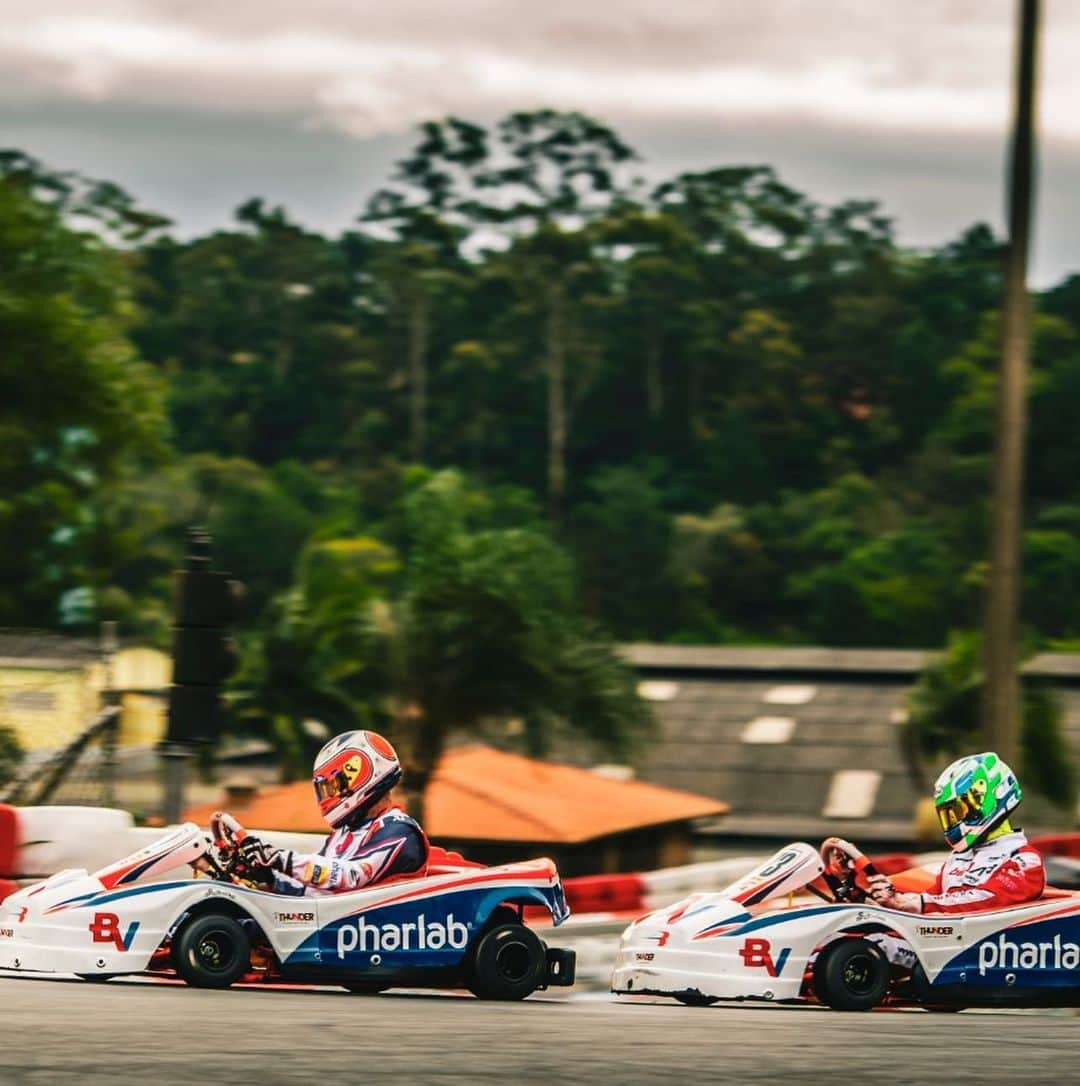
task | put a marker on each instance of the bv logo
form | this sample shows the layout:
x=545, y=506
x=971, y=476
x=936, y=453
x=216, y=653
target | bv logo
x=106, y=929
x=757, y=954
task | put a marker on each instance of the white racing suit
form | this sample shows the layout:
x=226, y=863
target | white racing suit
x=994, y=874
x=355, y=856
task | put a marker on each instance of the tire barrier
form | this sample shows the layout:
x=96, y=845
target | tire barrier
x=1058, y=844
x=9, y=844
x=605, y=893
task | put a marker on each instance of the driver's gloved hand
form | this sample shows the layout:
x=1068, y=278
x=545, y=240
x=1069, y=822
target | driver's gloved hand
x=836, y=854
x=258, y=853
x=886, y=895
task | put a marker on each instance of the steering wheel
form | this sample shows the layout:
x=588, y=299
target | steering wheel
x=230, y=862
x=846, y=878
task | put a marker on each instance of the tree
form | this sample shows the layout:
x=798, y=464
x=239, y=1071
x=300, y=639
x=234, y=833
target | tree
x=943, y=720
x=487, y=627
x=556, y=285
x=76, y=403
x=412, y=279
x=537, y=167
x=256, y=329
x=320, y=657
x=623, y=538
x=82, y=202
x=474, y=624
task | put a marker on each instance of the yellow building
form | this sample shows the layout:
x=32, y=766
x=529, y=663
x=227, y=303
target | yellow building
x=51, y=688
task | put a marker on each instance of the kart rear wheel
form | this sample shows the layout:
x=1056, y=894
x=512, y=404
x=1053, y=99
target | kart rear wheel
x=212, y=951
x=97, y=978
x=360, y=988
x=695, y=999
x=510, y=962
x=852, y=975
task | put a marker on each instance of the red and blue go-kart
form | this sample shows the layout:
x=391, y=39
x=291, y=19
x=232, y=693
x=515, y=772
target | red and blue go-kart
x=456, y=925
x=791, y=932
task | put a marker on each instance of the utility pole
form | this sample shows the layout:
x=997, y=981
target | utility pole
x=1001, y=705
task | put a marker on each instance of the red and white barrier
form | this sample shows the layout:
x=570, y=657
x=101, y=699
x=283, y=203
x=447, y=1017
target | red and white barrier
x=1058, y=844
x=9, y=844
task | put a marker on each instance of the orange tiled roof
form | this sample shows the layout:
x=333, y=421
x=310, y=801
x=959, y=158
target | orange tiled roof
x=481, y=794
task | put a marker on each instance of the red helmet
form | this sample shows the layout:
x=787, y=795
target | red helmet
x=351, y=772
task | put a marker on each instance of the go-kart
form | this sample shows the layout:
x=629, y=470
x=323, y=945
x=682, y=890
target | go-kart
x=455, y=925
x=796, y=931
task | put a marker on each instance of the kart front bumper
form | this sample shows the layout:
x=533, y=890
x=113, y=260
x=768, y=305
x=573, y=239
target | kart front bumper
x=718, y=973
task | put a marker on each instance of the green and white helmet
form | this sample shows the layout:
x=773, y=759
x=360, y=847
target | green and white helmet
x=975, y=794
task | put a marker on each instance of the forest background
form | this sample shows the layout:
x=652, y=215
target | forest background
x=710, y=410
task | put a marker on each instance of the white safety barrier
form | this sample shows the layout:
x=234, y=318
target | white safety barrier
x=670, y=884
x=51, y=839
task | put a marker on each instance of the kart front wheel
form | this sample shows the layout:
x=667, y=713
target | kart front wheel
x=212, y=951
x=851, y=975
x=510, y=962
x=693, y=998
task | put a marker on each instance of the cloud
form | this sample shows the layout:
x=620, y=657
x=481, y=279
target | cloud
x=372, y=68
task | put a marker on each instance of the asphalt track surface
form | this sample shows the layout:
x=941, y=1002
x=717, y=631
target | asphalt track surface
x=56, y=1032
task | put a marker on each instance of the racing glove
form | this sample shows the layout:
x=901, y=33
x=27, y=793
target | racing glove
x=259, y=853
x=887, y=896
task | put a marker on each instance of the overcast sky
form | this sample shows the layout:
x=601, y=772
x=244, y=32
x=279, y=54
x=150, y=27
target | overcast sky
x=194, y=105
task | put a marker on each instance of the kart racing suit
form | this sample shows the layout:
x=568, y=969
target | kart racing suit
x=994, y=874
x=391, y=843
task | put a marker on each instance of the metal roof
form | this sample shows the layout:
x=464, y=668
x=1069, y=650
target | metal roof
x=769, y=730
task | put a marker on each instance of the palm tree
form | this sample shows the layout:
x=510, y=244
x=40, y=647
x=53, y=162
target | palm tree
x=481, y=625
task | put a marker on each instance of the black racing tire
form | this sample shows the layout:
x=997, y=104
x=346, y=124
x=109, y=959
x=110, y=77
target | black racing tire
x=852, y=975
x=696, y=999
x=509, y=962
x=97, y=978
x=212, y=951
x=360, y=988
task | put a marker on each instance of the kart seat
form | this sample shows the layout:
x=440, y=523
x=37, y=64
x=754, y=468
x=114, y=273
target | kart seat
x=915, y=880
x=1055, y=892
x=441, y=861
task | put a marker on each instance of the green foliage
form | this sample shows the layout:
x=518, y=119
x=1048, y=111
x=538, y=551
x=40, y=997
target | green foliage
x=472, y=624
x=943, y=720
x=743, y=413
x=487, y=627
x=76, y=403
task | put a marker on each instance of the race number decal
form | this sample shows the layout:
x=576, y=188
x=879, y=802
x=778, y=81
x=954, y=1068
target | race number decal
x=779, y=863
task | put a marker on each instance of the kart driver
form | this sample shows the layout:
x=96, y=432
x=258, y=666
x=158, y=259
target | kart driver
x=372, y=839
x=991, y=866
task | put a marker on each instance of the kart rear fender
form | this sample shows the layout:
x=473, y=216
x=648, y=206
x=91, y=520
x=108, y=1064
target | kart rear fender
x=523, y=896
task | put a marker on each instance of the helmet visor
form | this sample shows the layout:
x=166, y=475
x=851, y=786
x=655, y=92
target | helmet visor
x=331, y=787
x=965, y=808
